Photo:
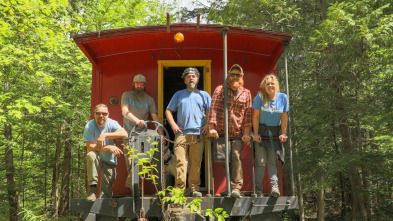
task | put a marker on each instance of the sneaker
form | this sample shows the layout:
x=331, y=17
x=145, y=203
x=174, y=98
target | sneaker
x=235, y=194
x=259, y=194
x=196, y=194
x=91, y=196
x=275, y=191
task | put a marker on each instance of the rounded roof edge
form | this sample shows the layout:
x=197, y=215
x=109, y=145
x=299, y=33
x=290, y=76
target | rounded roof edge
x=78, y=38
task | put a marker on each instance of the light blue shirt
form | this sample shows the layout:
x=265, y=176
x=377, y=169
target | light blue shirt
x=191, y=110
x=271, y=115
x=93, y=132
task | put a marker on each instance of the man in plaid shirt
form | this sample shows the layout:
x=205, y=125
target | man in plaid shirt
x=239, y=121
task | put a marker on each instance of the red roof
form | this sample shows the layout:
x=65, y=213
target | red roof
x=117, y=42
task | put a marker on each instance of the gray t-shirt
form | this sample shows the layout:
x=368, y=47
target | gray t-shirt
x=140, y=107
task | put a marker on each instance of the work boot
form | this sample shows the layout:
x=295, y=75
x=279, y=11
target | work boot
x=196, y=194
x=91, y=196
x=235, y=193
x=275, y=191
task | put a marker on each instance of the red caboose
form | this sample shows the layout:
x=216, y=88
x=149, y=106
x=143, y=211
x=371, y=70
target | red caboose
x=118, y=55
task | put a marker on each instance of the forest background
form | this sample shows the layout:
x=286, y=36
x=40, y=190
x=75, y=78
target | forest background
x=340, y=67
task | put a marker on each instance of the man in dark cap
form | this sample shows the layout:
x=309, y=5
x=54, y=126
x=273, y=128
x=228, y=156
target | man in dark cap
x=191, y=105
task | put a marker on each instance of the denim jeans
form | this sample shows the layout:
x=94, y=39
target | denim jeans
x=265, y=153
x=108, y=173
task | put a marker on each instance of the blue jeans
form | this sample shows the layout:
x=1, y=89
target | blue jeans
x=263, y=154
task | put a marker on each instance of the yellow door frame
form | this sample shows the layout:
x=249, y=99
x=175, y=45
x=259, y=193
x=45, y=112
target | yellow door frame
x=206, y=64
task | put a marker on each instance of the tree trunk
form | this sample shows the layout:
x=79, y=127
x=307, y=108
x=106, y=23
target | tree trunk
x=20, y=185
x=56, y=174
x=65, y=180
x=321, y=198
x=359, y=210
x=299, y=188
x=10, y=175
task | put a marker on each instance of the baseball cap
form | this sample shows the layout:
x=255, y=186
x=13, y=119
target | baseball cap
x=236, y=66
x=139, y=78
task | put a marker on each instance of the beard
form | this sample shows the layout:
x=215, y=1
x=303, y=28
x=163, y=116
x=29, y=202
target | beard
x=192, y=85
x=235, y=83
x=139, y=91
x=100, y=121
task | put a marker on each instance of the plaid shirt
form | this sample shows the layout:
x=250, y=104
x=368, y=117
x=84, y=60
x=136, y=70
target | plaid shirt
x=239, y=111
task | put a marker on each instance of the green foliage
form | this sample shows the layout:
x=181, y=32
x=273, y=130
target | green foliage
x=219, y=213
x=177, y=197
x=46, y=80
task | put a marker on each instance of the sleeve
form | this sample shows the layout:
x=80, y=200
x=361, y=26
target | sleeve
x=124, y=98
x=286, y=103
x=248, y=114
x=208, y=101
x=257, y=102
x=214, y=106
x=88, y=133
x=152, y=106
x=173, y=103
x=115, y=126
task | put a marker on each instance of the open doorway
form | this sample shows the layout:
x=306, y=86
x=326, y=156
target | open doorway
x=170, y=82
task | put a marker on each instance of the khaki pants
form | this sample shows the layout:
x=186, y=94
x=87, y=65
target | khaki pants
x=108, y=173
x=235, y=166
x=184, y=154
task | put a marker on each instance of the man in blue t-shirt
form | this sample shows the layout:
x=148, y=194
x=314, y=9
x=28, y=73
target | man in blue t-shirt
x=191, y=105
x=99, y=136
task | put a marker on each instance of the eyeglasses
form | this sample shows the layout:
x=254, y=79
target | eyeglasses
x=101, y=113
x=234, y=75
x=139, y=84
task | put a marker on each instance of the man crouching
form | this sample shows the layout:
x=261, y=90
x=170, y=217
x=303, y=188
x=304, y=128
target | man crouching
x=102, y=154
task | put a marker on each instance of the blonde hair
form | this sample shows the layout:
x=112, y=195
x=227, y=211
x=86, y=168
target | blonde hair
x=262, y=86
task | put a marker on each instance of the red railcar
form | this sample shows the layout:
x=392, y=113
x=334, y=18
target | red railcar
x=117, y=55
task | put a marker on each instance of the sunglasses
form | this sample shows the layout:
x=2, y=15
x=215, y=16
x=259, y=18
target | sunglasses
x=101, y=113
x=139, y=84
x=234, y=75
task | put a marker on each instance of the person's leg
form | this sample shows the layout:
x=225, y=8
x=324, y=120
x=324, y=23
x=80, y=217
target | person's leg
x=181, y=162
x=195, y=154
x=236, y=166
x=272, y=168
x=108, y=176
x=260, y=156
x=92, y=167
x=128, y=161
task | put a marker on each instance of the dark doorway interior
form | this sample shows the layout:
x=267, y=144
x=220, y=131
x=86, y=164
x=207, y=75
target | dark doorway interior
x=172, y=83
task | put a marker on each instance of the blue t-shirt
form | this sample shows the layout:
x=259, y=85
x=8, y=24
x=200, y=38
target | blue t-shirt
x=271, y=115
x=93, y=132
x=190, y=108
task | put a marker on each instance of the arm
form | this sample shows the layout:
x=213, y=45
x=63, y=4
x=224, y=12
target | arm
x=212, y=131
x=284, y=123
x=205, y=128
x=125, y=110
x=255, y=124
x=247, y=120
x=92, y=146
x=213, y=113
x=176, y=129
x=155, y=118
x=113, y=135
